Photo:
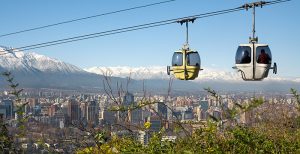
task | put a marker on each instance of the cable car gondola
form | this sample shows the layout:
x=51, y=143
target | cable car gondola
x=185, y=62
x=254, y=60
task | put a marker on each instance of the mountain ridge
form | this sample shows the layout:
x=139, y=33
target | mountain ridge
x=13, y=59
x=33, y=70
x=160, y=72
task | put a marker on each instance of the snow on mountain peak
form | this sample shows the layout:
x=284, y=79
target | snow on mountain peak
x=160, y=72
x=139, y=73
x=12, y=59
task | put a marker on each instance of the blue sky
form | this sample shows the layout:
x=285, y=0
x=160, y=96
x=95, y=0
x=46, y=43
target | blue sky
x=216, y=38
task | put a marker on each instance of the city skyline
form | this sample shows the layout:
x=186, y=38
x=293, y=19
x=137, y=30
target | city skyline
x=62, y=117
x=216, y=38
x=121, y=77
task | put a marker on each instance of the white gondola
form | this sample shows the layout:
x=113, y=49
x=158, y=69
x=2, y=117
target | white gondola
x=254, y=60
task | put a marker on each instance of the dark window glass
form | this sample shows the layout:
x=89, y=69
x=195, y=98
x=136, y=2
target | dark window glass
x=193, y=59
x=177, y=59
x=243, y=55
x=263, y=55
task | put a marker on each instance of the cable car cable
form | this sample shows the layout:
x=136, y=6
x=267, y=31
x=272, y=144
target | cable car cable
x=133, y=28
x=79, y=39
x=85, y=18
x=121, y=30
x=88, y=36
x=99, y=34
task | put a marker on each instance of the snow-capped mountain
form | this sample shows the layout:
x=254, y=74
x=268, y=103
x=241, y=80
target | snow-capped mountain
x=37, y=71
x=157, y=78
x=32, y=70
x=14, y=60
x=160, y=72
x=138, y=73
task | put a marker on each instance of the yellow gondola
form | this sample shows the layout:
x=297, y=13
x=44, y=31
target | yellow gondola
x=185, y=62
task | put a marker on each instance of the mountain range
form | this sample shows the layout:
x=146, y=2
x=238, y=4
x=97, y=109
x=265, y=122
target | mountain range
x=33, y=70
x=159, y=72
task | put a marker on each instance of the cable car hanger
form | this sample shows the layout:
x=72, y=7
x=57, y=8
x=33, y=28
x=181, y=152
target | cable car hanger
x=253, y=5
x=185, y=62
x=186, y=21
x=257, y=67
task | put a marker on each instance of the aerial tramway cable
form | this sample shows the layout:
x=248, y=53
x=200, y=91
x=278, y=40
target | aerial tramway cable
x=84, y=18
x=132, y=28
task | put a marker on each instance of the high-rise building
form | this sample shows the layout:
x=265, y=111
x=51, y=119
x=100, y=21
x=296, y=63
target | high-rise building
x=36, y=110
x=92, y=112
x=9, y=107
x=108, y=117
x=59, y=118
x=2, y=111
x=83, y=109
x=136, y=116
x=188, y=114
x=162, y=110
x=53, y=109
x=128, y=100
x=27, y=109
x=73, y=110
x=217, y=114
x=32, y=102
x=204, y=105
x=156, y=123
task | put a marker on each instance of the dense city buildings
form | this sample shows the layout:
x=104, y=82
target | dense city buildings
x=59, y=118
